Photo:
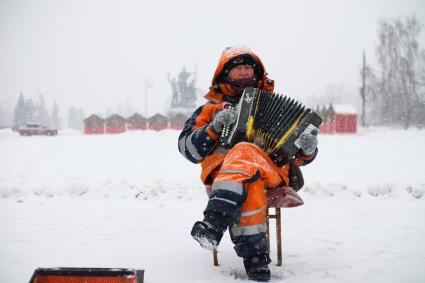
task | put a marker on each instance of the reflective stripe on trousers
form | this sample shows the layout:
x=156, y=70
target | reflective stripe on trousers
x=249, y=230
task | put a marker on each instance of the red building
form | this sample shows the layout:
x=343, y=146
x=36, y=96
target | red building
x=338, y=118
x=345, y=118
x=94, y=125
x=115, y=124
x=157, y=122
x=136, y=122
x=177, y=121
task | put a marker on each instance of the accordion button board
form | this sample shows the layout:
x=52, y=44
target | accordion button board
x=273, y=122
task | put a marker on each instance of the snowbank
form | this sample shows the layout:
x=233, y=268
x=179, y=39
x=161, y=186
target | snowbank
x=383, y=162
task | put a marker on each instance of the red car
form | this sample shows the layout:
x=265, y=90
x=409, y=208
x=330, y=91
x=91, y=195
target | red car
x=35, y=129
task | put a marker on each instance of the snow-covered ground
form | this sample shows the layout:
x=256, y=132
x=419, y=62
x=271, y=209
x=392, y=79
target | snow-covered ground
x=130, y=200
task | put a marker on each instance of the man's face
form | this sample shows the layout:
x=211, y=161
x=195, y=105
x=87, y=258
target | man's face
x=241, y=72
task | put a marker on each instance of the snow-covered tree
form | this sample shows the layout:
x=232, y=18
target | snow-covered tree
x=55, y=121
x=76, y=118
x=80, y=115
x=19, y=114
x=42, y=115
x=71, y=117
x=30, y=111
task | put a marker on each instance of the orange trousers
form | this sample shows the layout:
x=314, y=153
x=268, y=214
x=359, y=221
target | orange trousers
x=238, y=191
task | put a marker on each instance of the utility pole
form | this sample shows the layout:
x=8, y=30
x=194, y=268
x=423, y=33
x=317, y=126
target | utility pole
x=148, y=86
x=363, y=91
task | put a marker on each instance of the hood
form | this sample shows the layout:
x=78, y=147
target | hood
x=226, y=62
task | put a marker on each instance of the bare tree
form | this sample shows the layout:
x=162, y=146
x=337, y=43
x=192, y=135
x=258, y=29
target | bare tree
x=333, y=93
x=54, y=119
x=400, y=78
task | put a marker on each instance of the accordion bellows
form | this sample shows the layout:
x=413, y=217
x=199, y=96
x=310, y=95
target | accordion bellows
x=273, y=122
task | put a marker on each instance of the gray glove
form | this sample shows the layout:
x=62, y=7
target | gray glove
x=308, y=142
x=223, y=118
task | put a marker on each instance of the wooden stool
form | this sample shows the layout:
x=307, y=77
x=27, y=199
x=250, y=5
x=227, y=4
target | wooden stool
x=277, y=217
x=277, y=198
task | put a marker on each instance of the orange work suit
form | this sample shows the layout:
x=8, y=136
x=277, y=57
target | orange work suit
x=239, y=176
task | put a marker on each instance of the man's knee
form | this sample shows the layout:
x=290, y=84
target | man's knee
x=245, y=147
x=226, y=198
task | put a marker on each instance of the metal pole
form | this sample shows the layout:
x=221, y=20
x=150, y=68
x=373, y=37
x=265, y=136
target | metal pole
x=215, y=257
x=279, y=236
x=268, y=227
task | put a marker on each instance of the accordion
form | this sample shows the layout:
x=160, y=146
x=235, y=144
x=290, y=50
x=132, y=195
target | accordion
x=273, y=122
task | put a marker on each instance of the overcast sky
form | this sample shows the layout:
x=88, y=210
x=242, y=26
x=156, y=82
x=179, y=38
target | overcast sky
x=96, y=54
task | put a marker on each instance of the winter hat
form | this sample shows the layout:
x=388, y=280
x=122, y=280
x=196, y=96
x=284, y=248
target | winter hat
x=242, y=59
x=231, y=57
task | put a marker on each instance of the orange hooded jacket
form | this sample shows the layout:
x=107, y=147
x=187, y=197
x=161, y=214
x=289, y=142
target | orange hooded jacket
x=197, y=141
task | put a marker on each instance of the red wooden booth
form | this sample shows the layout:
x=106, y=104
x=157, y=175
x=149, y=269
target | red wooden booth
x=115, y=124
x=136, y=122
x=158, y=122
x=177, y=121
x=345, y=118
x=338, y=118
x=94, y=125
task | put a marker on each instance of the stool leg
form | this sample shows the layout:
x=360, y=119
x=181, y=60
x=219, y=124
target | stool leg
x=215, y=257
x=268, y=227
x=279, y=236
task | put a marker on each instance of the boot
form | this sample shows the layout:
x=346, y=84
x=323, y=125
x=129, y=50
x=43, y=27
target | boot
x=257, y=267
x=208, y=233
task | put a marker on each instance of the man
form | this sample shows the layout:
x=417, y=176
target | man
x=239, y=176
